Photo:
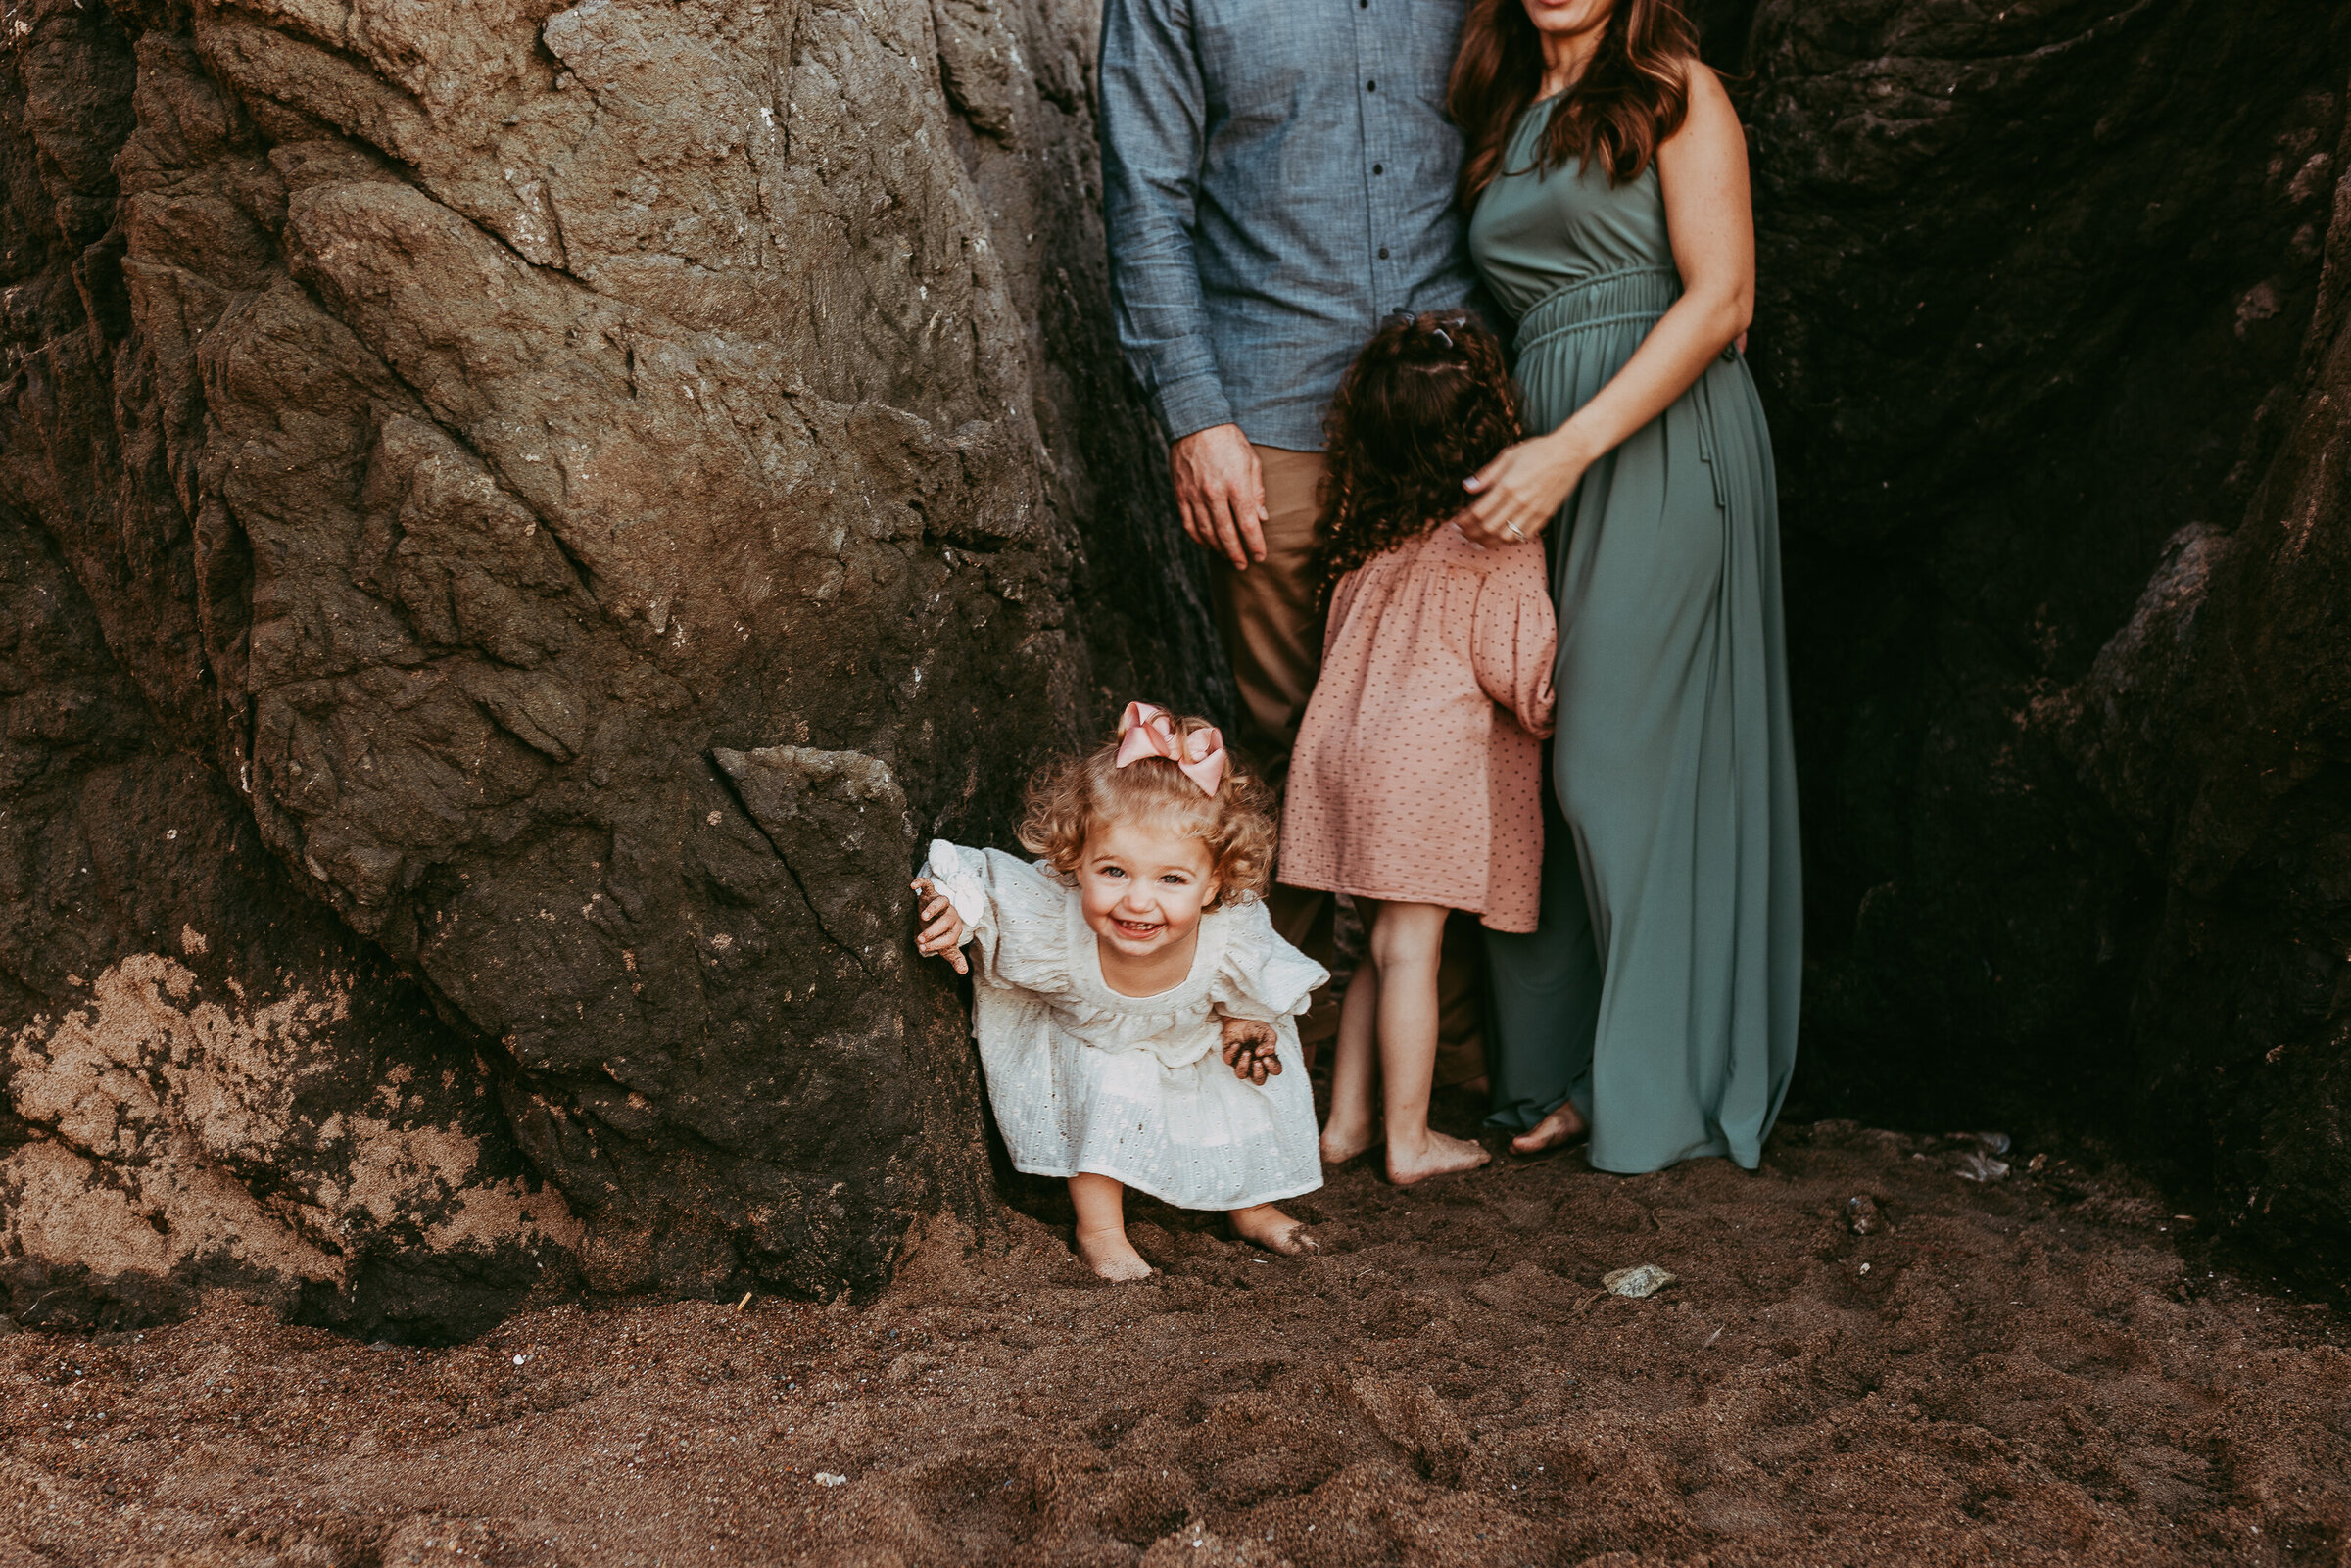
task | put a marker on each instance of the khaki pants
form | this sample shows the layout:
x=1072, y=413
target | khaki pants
x=1272, y=636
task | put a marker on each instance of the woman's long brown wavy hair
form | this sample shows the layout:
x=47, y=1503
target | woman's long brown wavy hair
x=1633, y=95
x=1426, y=403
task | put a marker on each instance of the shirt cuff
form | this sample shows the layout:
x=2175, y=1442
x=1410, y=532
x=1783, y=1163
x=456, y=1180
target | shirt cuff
x=1192, y=405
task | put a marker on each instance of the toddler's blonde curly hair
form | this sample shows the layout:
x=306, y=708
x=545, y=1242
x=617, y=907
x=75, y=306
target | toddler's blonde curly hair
x=1068, y=799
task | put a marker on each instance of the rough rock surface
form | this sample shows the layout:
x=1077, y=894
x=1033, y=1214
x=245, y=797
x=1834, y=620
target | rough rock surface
x=208, y=1079
x=2058, y=399
x=548, y=505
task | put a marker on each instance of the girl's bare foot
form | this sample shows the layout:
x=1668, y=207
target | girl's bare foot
x=1342, y=1144
x=1441, y=1155
x=1274, y=1230
x=1555, y=1131
x=1109, y=1254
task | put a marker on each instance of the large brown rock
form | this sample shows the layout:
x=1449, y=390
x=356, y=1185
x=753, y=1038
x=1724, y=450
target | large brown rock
x=577, y=493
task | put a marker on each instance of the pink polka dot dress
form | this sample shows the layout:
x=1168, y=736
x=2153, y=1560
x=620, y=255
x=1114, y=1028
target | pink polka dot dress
x=1417, y=774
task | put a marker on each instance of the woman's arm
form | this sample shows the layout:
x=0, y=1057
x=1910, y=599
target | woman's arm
x=1702, y=169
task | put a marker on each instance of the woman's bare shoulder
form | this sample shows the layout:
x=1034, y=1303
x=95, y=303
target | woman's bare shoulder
x=1709, y=100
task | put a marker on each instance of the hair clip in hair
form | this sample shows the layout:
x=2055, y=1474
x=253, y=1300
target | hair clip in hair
x=1442, y=333
x=1149, y=731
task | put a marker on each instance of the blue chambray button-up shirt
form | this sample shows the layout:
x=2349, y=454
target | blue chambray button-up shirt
x=1277, y=176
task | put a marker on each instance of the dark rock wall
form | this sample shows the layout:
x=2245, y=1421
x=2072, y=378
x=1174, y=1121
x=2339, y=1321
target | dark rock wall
x=2038, y=290
x=556, y=502
x=2217, y=726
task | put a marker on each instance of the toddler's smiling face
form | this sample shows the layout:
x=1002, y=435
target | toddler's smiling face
x=1142, y=886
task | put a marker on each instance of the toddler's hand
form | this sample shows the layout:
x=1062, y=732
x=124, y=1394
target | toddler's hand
x=944, y=936
x=1250, y=1049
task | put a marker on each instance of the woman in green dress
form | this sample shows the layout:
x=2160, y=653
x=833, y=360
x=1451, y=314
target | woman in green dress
x=1606, y=176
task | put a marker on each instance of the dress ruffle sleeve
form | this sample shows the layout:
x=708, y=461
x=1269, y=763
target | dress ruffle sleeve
x=1013, y=916
x=1515, y=639
x=1259, y=976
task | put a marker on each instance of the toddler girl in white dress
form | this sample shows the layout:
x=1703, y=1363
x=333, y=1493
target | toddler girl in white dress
x=1135, y=1010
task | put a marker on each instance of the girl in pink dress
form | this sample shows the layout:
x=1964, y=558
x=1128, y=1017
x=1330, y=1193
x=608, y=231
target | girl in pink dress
x=1416, y=783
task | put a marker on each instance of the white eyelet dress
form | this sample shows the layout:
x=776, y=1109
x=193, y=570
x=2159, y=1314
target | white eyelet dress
x=1132, y=1087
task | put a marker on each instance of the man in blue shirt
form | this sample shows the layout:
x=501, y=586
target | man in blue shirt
x=1277, y=176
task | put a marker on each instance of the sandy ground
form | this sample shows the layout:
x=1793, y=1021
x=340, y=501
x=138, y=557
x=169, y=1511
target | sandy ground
x=2044, y=1370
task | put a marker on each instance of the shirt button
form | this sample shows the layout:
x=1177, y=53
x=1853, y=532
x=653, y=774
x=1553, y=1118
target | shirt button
x=1376, y=170
x=1370, y=87
x=1383, y=252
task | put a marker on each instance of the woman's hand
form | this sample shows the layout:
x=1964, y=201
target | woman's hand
x=1521, y=490
x=944, y=936
x=1249, y=1049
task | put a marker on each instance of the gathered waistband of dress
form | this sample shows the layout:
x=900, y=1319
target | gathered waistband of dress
x=1635, y=294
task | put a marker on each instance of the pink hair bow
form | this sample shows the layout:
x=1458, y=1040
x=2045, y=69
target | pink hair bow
x=1146, y=731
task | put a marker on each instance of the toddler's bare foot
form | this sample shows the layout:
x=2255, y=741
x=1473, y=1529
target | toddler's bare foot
x=1109, y=1254
x=1555, y=1131
x=1342, y=1144
x=1274, y=1230
x=1441, y=1155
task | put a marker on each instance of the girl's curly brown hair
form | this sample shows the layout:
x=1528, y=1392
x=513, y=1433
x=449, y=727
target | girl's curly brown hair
x=1069, y=799
x=1426, y=403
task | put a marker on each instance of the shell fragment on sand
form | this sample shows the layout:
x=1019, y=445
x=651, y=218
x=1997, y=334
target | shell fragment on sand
x=1974, y=1166
x=825, y=1478
x=1639, y=1281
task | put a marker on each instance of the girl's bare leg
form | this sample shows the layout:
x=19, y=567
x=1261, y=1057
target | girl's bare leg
x=1354, y=1123
x=1406, y=943
x=1274, y=1230
x=1102, y=1243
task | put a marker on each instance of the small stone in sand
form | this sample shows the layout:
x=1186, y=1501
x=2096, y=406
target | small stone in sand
x=825, y=1478
x=1975, y=1167
x=1862, y=1215
x=1642, y=1280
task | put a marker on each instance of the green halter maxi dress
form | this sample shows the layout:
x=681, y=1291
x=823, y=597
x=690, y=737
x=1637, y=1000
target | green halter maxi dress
x=1660, y=991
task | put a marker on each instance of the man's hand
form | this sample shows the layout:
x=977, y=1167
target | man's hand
x=1220, y=490
x=943, y=937
x=1250, y=1049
